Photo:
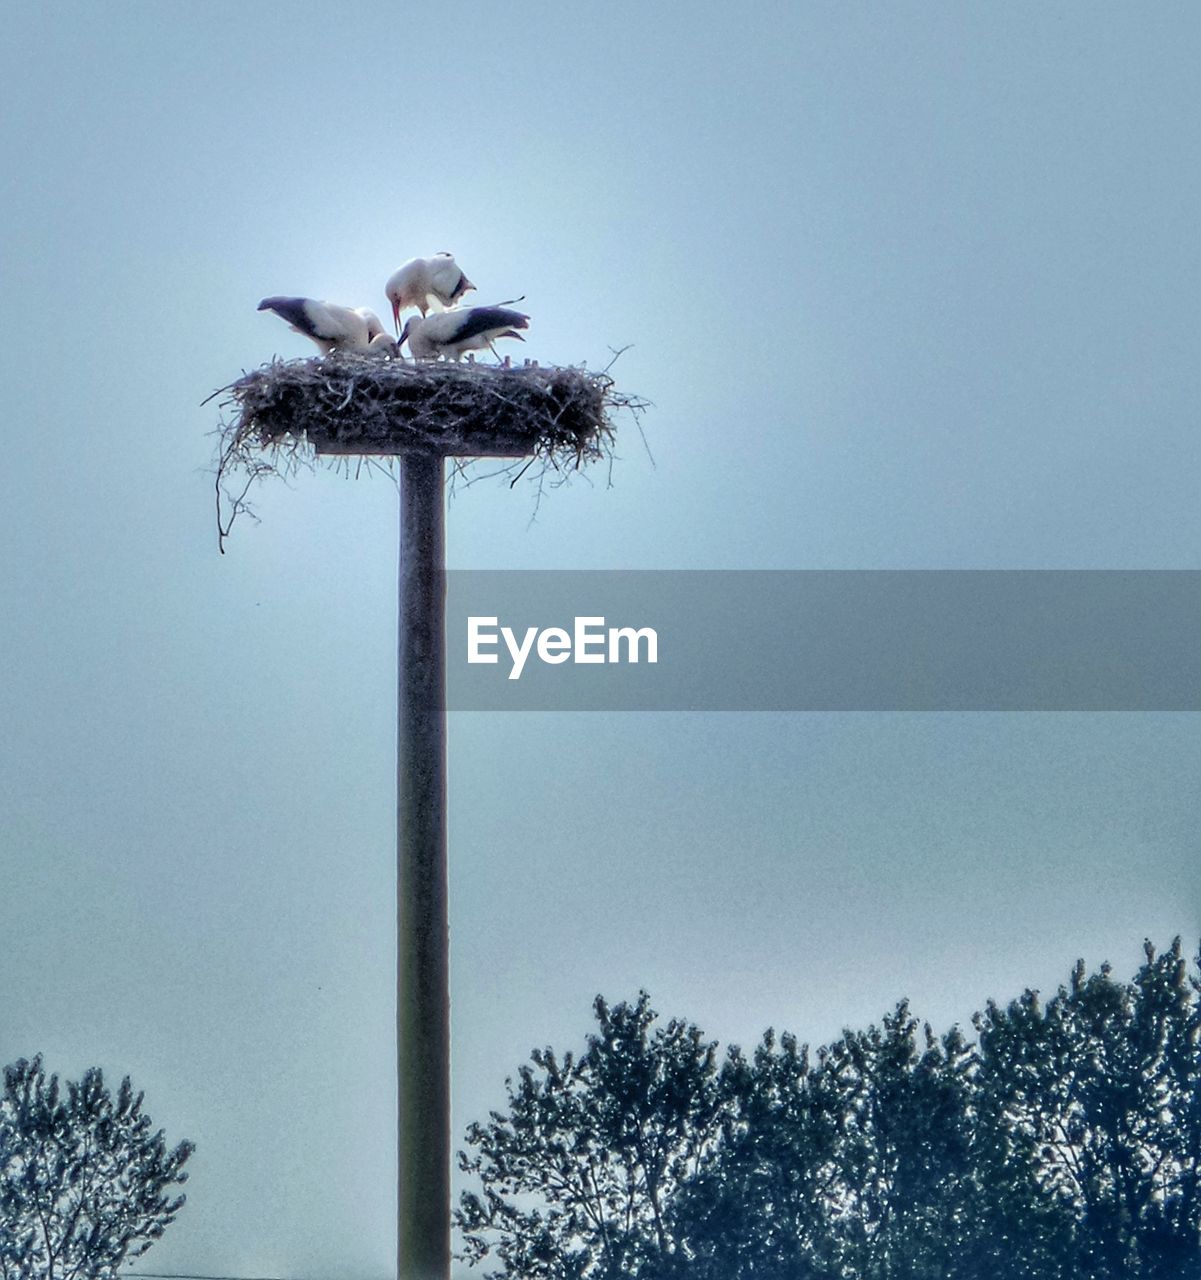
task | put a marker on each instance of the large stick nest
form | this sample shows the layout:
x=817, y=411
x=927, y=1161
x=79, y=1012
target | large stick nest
x=289, y=413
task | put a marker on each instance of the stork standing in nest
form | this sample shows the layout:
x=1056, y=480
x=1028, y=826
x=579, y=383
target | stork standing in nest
x=451, y=333
x=420, y=279
x=334, y=328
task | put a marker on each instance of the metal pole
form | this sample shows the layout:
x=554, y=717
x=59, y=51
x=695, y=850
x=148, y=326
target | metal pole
x=423, y=934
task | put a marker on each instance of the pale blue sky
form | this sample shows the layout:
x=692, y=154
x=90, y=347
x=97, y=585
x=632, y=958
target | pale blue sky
x=911, y=286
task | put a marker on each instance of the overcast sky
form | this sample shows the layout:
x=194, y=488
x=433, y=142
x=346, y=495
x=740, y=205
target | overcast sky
x=910, y=286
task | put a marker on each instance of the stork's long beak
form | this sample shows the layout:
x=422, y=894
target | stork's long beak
x=396, y=317
x=403, y=337
x=467, y=285
x=512, y=333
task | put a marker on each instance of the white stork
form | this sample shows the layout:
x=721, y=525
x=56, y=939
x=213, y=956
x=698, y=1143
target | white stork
x=333, y=328
x=451, y=333
x=379, y=340
x=422, y=278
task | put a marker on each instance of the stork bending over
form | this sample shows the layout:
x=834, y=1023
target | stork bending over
x=420, y=279
x=334, y=328
x=451, y=333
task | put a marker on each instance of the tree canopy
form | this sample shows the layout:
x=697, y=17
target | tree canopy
x=1061, y=1142
x=85, y=1182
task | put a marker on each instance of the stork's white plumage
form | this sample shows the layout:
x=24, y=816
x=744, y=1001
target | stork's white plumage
x=420, y=279
x=378, y=338
x=331, y=327
x=451, y=333
x=375, y=326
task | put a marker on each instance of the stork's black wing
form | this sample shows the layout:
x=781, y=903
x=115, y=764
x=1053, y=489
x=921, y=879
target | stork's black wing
x=484, y=319
x=295, y=312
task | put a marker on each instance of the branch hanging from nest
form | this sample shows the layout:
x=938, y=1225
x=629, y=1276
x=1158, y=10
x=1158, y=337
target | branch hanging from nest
x=286, y=415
